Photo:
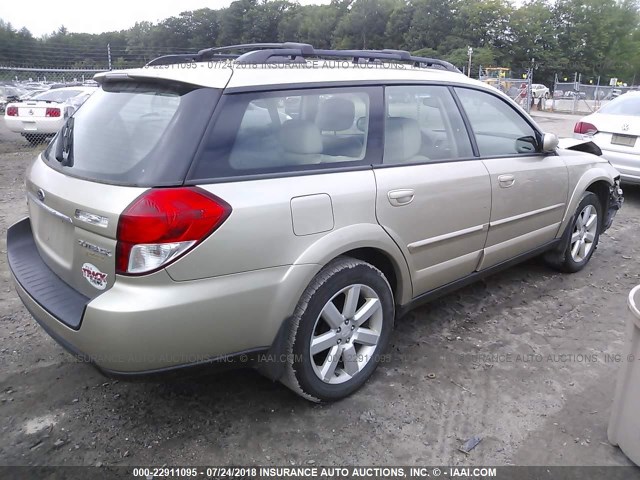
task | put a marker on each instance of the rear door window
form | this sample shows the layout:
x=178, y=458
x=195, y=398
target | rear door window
x=269, y=132
x=423, y=124
x=134, y=133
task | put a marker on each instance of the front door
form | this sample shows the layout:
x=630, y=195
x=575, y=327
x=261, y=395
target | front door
x=433, y=196
x=529, y=188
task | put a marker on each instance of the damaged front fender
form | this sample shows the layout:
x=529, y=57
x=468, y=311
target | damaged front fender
x=616, y=199
x=586, y=146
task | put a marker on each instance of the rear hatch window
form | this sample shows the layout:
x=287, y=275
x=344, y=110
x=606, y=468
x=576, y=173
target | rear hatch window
x=58, y=96
x=134, y=133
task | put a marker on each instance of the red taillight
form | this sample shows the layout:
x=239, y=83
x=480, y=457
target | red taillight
x=585, y=128
x=163, y=224
x=12, y=111
x=52, y=112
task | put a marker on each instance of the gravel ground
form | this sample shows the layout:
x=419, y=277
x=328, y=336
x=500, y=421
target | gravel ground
x=518, y=359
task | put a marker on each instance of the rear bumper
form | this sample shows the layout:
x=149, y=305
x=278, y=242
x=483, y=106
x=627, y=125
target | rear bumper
x=148, y=325
x=42, y=125
x=627, y=164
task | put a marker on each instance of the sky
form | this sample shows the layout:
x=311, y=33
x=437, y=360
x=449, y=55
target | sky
x=88, y=16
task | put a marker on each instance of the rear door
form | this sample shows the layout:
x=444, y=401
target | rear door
x=529, y=188
x=127, y=137
x=433, y=196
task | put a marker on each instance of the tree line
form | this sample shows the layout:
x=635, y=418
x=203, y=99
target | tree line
x=593, y=37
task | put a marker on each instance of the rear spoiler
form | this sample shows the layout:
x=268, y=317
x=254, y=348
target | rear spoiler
x=586, y=146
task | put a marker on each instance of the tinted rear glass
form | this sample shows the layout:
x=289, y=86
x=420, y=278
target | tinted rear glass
x=57, y=95
x=134, y=133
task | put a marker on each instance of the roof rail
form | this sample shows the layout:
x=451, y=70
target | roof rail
x=261, y=53
x=187, y=58
x=218, y=53
x=292, y=51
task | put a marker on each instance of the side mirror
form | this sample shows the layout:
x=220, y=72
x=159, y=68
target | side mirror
x=526, y=145
x=549, y=143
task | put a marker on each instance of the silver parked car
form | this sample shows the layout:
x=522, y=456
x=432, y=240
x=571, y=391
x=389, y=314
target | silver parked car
x=183, y=217
x=615, y=129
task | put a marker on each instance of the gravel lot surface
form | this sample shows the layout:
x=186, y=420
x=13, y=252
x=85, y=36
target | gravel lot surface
x=518, y=359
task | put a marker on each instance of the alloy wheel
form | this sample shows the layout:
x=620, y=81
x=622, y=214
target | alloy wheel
x=584, y=233
x=346, y=334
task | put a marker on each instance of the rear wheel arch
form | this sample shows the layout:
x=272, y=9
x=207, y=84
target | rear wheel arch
x=383, y=262
x=369, y=243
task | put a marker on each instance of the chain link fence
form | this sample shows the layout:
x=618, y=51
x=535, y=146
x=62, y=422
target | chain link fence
x=35, y=103
x=521, y=90
x=577, y=97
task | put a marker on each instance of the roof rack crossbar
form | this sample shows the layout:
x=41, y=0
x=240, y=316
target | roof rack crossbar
x=260, y=53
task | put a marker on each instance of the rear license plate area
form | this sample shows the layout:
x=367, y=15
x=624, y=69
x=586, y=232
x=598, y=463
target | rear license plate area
x=625, y=140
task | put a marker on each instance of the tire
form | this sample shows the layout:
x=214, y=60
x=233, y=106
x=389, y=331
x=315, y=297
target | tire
x=325, y=316
x=546, y=95
x=584, y=235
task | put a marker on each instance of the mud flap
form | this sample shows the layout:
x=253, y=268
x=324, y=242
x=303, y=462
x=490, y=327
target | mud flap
x=272, y=364
x=555, y=256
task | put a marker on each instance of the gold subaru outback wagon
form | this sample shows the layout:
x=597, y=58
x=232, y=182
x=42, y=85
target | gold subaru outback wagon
x=286, y=203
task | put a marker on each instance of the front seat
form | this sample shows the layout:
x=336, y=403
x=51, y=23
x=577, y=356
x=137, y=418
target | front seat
x=338, y=115
x=402, y=141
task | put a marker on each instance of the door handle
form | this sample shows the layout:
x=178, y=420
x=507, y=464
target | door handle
x=506, y=181
x=398, y=198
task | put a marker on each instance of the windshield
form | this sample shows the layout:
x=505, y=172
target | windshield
x=57, y=95
x=134, y=133
x=624, y=105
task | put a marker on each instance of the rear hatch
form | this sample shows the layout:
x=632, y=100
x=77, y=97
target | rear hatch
x=131, y=135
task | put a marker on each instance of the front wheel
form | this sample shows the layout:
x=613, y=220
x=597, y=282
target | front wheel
x=340, y=328
x=585, y=233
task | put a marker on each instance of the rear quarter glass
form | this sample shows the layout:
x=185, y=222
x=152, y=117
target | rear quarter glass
x=134, y=133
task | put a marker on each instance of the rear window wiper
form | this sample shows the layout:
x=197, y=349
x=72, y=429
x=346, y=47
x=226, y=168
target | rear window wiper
x=64, y=145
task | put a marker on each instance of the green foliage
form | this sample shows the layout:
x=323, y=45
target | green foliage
x=593, y=37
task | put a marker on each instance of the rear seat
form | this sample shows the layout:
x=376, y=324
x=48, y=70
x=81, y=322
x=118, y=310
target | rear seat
x=302, y=143
x=402, y=141
x=338, y=115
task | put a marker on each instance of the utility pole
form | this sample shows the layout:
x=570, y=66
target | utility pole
x=469, y=52
x=109, y=54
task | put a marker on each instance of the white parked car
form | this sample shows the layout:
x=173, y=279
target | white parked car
x=45, y=113
x=539, y=91
x=8, y=93
x=615, y=128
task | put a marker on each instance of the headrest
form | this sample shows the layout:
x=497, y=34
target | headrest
x=402, y=139
x=300, y=136
x=336, y=114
